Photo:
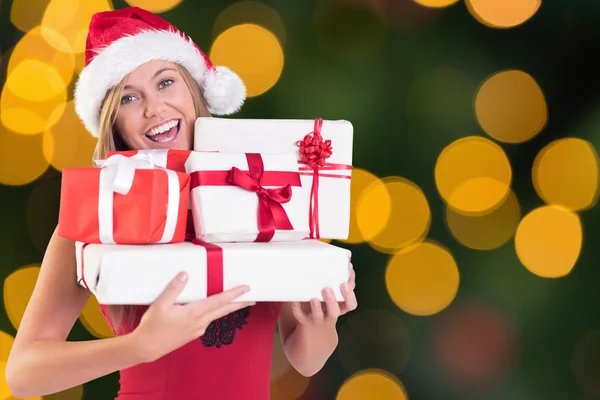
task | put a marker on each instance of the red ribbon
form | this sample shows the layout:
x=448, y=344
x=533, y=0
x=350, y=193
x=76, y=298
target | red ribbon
x=219, y=178
x=271, y=214
x=214, y=267
x=327, y=167
x=82, y=266
x=314, y=151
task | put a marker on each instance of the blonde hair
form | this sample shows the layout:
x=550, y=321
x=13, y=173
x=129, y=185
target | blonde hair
x=110, y=140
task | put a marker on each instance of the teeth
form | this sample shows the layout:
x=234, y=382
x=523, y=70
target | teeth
x=163, y=128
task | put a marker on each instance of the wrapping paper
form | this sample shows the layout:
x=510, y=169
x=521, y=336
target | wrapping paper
x=323, y=150
x=126, y=201
x=170, y=159
x=247, y=197
x=275, y=271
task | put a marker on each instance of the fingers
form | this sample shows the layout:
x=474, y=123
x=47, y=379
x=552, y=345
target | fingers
x=352, y=280
x=333, y=308
x=300, y=316
x=350, y=302
x=316, y=311
x=173, y=289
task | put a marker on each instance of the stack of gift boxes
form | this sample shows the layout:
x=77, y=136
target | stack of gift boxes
x=247, y=206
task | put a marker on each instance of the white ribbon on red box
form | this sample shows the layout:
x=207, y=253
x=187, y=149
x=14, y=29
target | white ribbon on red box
x=116, y=176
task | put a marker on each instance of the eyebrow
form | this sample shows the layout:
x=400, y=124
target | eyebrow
x=157, y=73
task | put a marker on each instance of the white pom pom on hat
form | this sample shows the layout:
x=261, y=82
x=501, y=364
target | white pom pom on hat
x=121, y=40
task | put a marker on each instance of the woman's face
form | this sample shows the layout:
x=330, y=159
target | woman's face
x=156, y=110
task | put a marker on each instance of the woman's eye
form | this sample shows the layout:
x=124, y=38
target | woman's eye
x=166, y=82
x=126, y=99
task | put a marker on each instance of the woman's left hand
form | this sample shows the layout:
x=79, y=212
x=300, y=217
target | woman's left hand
x=315, y=312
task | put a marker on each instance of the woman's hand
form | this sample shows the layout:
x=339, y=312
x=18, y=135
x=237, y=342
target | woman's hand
x=166, y=326
x=316, y=313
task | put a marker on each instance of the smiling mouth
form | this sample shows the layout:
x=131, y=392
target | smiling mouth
x=167, y=134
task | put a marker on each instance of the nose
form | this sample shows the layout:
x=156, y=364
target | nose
x=154, y=106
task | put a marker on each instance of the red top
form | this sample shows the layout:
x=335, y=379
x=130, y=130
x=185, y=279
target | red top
x=232, y=360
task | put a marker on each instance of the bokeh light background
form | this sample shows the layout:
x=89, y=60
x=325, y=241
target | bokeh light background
x=474, y=219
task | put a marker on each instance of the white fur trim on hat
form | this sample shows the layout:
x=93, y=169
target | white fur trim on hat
x=222, y=89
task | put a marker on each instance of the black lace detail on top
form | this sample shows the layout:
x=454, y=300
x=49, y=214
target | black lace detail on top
x=222, y=331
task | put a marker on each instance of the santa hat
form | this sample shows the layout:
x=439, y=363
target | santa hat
x=119, y=41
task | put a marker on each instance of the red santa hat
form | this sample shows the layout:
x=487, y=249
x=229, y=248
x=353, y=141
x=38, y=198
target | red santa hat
x=119, y=41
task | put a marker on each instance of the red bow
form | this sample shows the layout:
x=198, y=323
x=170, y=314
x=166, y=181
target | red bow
x=313, y=148
x=271, y=214
x=315, y=151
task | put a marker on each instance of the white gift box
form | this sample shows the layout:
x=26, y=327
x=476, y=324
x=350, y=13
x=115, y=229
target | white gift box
x=281, y=136
x=275, y=271
x=225, y=211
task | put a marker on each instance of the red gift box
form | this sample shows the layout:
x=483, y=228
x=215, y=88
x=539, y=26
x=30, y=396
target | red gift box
x=126, y=201
x=170, y=159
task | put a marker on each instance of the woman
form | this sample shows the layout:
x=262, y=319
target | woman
x=143, y=86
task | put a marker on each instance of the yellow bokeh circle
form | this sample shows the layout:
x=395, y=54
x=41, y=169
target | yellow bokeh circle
x=565, y=172
x=548, y=241
x=370, y=206
x=488, y=231
x=71, y=19
x=35, y=94
x=251, y=51
x=155, y=6
x=34, y=46
x=68, y=144
x=21, y=158
x=4, y=390
x=372, y=384
x=93, y=320
x=27, y=14
x=436, y=3
x=473, y=175
x=361, y=179
x=35, y=80
x=422, y=279
x=250, y=11
x=6, y=343
x=79, y=62
x=392, y=214
x=28, y=117
x=510, y=107
x=18, y=288
x=503, y=13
